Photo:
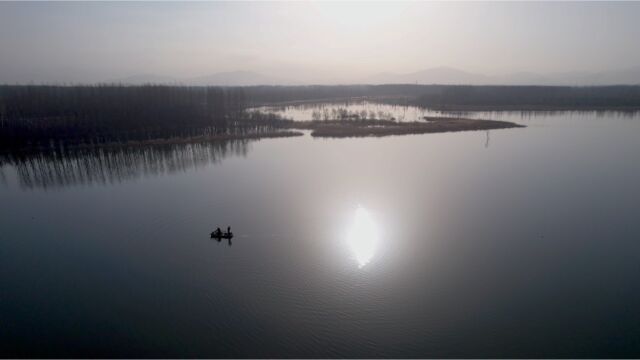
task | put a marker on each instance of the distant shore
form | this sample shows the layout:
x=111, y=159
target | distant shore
x=532, y=108
x=451, y=108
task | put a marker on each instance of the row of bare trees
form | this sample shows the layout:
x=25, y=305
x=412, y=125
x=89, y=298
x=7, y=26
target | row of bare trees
x=41, y=114
x=326, y=114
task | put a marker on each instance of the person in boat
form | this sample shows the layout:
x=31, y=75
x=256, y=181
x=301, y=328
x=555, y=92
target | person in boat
x=217, y=232
x=228, y=230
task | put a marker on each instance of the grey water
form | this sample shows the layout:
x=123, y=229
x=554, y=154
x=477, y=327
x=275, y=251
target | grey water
x=510, y=243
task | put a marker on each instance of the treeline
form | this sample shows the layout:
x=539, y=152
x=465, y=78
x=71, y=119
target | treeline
x=343, y=114
x=531, y=98
x=266, y=95
x=459, y=97
x=37, y=115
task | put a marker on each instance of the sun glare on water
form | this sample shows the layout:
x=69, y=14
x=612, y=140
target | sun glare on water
x=363, y=237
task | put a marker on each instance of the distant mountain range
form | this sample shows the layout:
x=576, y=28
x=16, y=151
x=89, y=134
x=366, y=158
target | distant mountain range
x=451, y=76
x=438, y=75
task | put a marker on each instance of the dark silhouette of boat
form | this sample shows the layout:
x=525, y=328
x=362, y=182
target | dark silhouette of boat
x=221, y=235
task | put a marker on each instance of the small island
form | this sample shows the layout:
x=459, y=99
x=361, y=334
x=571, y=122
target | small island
x=331, y=129
x=378, y=128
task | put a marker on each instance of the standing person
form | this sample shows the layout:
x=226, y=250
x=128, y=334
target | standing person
x=228, y=229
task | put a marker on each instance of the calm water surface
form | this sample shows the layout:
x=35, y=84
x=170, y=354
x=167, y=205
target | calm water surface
x=518, y=242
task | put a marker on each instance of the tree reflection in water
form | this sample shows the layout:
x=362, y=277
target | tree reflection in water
x=3, y=177
x=59, y=167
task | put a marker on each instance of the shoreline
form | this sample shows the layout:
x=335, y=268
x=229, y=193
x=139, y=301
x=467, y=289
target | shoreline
x=317, y=128
x=163, y=142
x=446, y=108
x=457, y=108
x=527, y=108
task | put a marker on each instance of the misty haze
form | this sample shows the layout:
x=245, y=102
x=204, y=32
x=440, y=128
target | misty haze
x=319, y=180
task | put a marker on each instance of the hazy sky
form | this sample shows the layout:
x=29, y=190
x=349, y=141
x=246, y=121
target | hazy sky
x=47, y=42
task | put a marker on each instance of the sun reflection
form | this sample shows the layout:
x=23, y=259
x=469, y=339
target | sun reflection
x=362, y=237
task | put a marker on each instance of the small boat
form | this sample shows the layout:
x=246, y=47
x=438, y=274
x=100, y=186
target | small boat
x=221, y=235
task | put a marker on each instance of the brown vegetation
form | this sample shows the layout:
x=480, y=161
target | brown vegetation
x=363, y=128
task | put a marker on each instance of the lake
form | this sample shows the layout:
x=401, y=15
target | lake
x=510, y=243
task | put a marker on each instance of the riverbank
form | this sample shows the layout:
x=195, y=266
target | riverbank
x=209, y=138
x=162, y=142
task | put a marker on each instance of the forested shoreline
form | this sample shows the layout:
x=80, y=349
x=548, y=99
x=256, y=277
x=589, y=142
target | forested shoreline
x=77, y=115
x=91, y=115
x=460, y=97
